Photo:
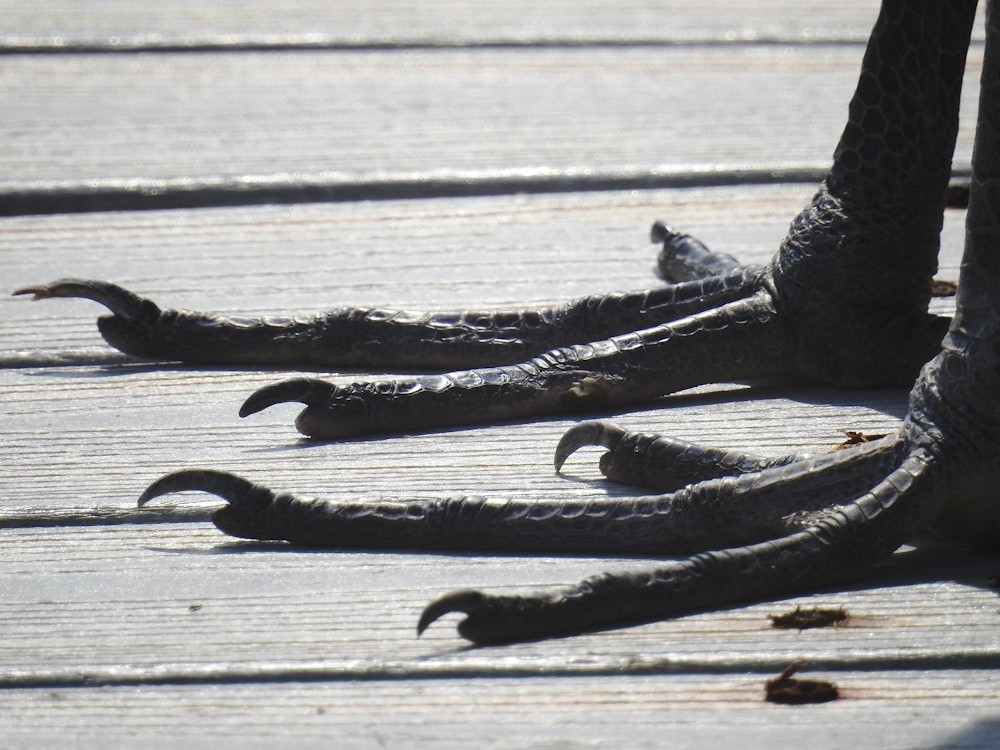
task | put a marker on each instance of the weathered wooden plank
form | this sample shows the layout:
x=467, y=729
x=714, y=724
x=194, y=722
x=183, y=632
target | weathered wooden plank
x=530, y=713
x=64, y=24
x=65, y=443
x=130, y=120
x=181, y=603
x=68, y=430
x=139, y=610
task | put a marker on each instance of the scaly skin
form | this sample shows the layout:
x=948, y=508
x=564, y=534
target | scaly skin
x=947, y=477
x=372, y=337
x=723, y=511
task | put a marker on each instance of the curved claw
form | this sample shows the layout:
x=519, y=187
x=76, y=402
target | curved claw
x=660, y=232
x=587, y=433
x=229, y=487
x=498, y=620
x=118, y=300
x=249, y=513
x=309, y=391
x=467, y=601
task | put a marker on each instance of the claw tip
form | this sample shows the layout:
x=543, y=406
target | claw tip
x=221, y=483
x=661, y=232
x=463, y=600
x=308, y=391
x=586, y=433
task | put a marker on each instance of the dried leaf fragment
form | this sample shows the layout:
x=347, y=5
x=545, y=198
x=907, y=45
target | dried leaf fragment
x=855, y=437
x=942, y=288
x=791, y=691
x=805, y=619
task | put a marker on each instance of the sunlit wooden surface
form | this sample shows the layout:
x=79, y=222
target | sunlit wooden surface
x=173, y=635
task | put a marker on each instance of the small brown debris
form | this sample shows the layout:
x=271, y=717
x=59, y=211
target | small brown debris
x=194, y=607
x=941, y=288
x=787, y=690
x=857, y=438
x=804, y=619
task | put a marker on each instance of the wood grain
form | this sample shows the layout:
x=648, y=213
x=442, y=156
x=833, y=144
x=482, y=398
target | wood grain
x=690, y=711
x=117, y=24
x=141, y=120
x=170, y=634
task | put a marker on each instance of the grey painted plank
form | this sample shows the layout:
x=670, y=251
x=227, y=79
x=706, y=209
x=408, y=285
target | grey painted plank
x=646, y=712
x=181, y=603
x=323, y=643
x=85, y=120
x=60, y=23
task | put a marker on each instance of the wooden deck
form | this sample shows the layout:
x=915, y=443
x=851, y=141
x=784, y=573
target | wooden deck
x=296, y=156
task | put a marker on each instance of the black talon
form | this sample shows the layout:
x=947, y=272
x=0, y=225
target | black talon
x=135, y=325
x=661, y=232
x=250, y=507
x=586, y=433
x=308, y=391
x=229, y=487
x=490, y=621
x=467, y=601
x=501, y=620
